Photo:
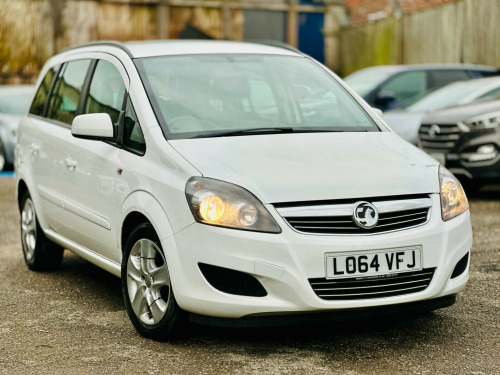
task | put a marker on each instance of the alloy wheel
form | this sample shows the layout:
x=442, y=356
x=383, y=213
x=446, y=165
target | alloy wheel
x=28, y=229
x=148, y=282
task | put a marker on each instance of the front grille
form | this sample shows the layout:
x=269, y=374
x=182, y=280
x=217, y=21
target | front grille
x=368, y=288
x=338, y=218
x=444, y=140
x=344, y=224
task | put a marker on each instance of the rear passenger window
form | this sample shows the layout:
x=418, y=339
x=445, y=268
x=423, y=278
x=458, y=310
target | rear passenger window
x=107, y=91
x=132, y=135
x=38, y=104
x=443, y=77
x=64, y=99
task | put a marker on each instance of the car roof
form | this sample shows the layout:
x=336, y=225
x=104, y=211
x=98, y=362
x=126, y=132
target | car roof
x=485, y=82
x=141, y=49
x=409, y=67
x=16, y=89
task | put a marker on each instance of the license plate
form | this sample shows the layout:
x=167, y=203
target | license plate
x=440, y=158
x=373, y=263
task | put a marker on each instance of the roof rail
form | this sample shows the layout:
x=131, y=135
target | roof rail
x=274, y=43
x=111, y=43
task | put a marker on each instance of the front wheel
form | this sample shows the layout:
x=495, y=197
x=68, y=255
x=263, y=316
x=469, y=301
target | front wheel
x=40, y=254
x=147, y=288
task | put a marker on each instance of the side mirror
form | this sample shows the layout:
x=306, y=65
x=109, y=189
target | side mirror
x=385, y=99
x=96, y=126
x=377, y=111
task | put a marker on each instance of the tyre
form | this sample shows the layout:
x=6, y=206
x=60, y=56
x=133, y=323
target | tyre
x=40, y=254
x=3, y=160
x=147, y=289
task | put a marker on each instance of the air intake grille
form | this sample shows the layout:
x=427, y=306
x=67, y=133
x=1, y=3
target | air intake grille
x=231, y=281
x=442, y=140
x=369, y=288
x=461, y=266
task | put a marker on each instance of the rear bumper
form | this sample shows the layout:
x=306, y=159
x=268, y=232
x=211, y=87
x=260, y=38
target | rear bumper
x=256, y=320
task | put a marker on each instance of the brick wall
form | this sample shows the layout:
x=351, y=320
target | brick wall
x=362, y=11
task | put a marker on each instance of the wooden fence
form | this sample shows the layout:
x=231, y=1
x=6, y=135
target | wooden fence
x=33, y=30
x=463, y=32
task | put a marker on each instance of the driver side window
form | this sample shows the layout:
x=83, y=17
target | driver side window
x=107, y=91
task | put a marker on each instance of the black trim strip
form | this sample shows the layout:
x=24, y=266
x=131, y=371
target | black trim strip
x=317, y=318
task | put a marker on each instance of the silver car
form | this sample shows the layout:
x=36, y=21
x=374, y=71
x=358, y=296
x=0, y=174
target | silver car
x=14, y=103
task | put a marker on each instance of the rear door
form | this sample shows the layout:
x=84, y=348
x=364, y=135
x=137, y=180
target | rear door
x=49, y=145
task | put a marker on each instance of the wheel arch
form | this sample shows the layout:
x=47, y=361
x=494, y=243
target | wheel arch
x=22, y=188
x=141, y=207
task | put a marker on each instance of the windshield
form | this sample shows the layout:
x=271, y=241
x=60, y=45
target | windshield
x=365, y=81
x=15, y=101
x=218, y=95
x=448, y=96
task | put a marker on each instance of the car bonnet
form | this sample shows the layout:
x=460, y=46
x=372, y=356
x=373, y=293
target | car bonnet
x=314, y=166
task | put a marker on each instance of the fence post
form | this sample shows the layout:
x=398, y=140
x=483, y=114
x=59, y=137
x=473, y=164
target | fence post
x=292, y=24
x=162, y=18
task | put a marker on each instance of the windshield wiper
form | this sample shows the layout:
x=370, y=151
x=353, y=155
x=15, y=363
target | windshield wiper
x=253, y=131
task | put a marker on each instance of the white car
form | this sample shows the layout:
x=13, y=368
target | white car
x=233, y=184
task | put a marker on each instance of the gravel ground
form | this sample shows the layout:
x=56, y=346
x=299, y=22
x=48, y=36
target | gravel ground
x=73, y=321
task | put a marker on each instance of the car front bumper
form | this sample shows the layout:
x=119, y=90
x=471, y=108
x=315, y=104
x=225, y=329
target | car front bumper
x=283, y=263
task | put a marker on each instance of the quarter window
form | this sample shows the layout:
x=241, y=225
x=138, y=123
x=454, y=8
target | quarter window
x=132, y=135
x=107, y=91
x=38, y=105
x=444, y=77
x=66, y=95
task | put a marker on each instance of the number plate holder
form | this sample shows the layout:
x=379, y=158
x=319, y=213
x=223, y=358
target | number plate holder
x=364, y=263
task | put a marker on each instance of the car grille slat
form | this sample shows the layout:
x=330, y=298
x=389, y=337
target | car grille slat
x=388, y=221
x=400, y=222
x=368, y=288
x=444, y=140
x=374, y=279
x=440, y=137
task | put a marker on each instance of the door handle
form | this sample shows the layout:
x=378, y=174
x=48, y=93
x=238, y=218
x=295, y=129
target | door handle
x=70, y=163
x=35, y=149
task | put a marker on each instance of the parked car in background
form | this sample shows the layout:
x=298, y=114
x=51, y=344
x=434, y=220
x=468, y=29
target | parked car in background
x=466, y=140
x=406, y=120
x=386, y=86
x=14, y=103
x=233, y=184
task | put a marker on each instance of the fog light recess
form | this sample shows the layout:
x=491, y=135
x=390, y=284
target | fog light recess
x=231, y=281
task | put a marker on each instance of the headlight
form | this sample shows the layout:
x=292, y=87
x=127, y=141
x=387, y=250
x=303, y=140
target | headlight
x=486, y=121
x=453, y=199
x=223, y=204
